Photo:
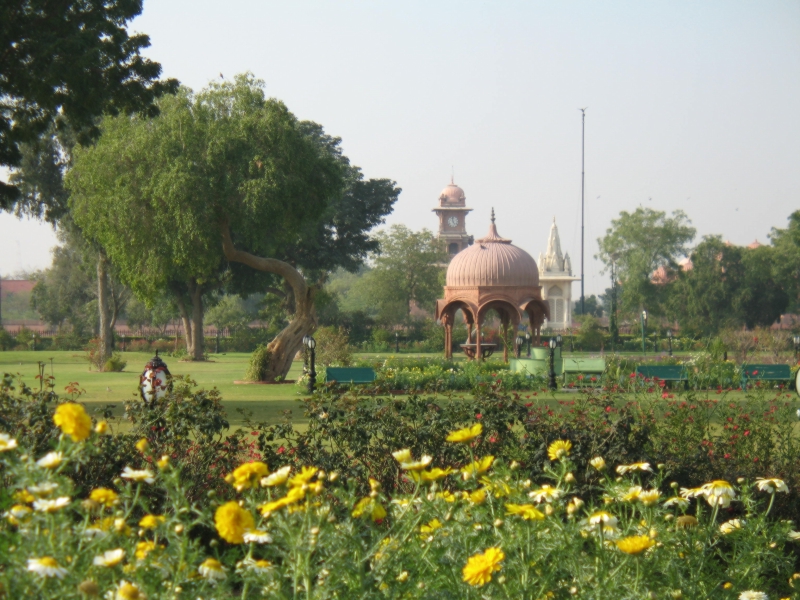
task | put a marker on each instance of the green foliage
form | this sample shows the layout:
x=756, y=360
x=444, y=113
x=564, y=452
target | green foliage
x=258, y=364
x=17, y=307
x=590, y=335
x=6, y=339
x=229, y=313
x=787, y=260
x=639, y=243
x=115, y=364
x=594, y=307
x=97, y=68
x=333, y=347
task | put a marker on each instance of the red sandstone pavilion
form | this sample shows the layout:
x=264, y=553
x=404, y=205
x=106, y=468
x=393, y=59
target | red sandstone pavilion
x=491, y=274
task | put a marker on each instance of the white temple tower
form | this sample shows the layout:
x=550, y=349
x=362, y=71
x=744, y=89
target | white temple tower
x=555, y=277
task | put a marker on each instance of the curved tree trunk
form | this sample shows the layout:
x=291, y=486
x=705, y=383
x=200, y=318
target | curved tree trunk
x=106, y=325
x=283, y=348
x=192, y=319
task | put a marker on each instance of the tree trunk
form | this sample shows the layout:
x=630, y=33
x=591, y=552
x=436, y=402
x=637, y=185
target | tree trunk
x=196, y=291
x=106, y=325
x=282, y=349
x=186, y=321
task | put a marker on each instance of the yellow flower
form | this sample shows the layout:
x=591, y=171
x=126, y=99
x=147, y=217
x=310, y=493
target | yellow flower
x=373, y=508
x=527, y=511
x=7, y=442
x=247, y=475
x=731, y=526
x=17, y=513
x=128, y=591
x=635, y=544
x=104, y=496
x=603, y=517
x=559, y=449
x=294, y=494
x=640, y=466
x=479, y=568
x=478, y=496
x=142, y=445
x=408, y=463
x=109, y=559
x=431, y=474
x=479, y=466
x=163, y=462
x=23, y=496
x=151, y=521
x=633, y=494
x=279, y=477
x=144, y=548
x=546, y=493
x=101, y=427
x=467, y=434
x=598, y=463
x=772, y=485
x=446, y=496
x=303, y=477
x=431, y=526
x=232, y=521
x=72, y=419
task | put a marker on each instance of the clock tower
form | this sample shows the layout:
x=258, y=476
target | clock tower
x=452, y=212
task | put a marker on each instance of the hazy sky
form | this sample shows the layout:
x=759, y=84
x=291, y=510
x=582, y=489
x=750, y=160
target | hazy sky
x=691, y=105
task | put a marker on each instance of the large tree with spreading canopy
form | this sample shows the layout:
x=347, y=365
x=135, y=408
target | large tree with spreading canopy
x=226, y=189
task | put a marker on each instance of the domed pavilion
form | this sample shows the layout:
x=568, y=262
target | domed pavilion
x=492, y=274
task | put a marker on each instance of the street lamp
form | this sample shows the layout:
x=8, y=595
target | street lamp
x=669, y=339
x=528, y=339
x=518, y=350
x=796, y=346
x=155, y=381
x=644, y=331
x=396, y=342
x=552, y=383
x=559, y=340
x=311, y=344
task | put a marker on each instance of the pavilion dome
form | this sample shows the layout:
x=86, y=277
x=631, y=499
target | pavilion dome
x=492, y=261
x=452, y=194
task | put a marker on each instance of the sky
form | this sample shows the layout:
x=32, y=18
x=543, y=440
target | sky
x=689, y=106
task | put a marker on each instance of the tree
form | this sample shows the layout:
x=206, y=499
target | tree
x=229, y=313
x=66, y=63
x=707, y=297
x=594, y=307
x=226, y=188
x=787, y=259
x=408, y=269
x=763, y=296
x=639, y=243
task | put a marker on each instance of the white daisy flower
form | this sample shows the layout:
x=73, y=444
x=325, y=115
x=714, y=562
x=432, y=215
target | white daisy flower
x=7, y=442
x=138, y=475
x=212, y=570
x=772, y=485
x=277, y=478
x=43, y=489
x=50, y=506
x=50, y=460
x=46, y=566
x=126, y=591
x=731, y=526
x=676, y=501
x=256, y=536
x=110, y=558
x=753, y=595
x=794, y=536
x=546, y=493
x=641, y=466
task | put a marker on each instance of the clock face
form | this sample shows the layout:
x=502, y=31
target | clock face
x=452, y=221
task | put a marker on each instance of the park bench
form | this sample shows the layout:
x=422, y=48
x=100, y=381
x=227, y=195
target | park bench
x=766, y=373
x=583, y=366
x=346, y=375
x=664, y=373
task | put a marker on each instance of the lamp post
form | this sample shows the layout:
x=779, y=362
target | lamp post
x=655, y=343
x=559, y=340
x=396, y=342
x=155, y=381
x=796, y=346
x=528, y=339
x=644, y=331
x=552, y=383
x=520, y=341
x=311, y=344
x=669, y=340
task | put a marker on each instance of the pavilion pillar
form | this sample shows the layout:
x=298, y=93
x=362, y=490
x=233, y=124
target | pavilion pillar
x=478, y=352
x=505, y=341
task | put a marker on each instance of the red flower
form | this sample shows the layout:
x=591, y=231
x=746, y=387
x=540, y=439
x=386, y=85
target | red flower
x=747, y=432
x=665, y=395
x=633, y=375
x=479, y=416
x=492, y=439
x=608, y=409
x=281, y=450
x=727, y=455
x=253, y=433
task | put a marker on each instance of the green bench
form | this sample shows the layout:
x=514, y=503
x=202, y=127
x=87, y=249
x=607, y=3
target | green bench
x=583, y=366
x=346, y=375
x=664, y=373
x=766, y=373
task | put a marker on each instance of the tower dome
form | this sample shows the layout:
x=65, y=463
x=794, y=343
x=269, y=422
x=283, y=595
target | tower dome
x=492, y=261
x=452, y=195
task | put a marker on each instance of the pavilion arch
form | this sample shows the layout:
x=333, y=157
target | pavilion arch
x=492, y=274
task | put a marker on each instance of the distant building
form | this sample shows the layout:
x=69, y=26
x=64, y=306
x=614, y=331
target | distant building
x=452, y=212
x=555, y=277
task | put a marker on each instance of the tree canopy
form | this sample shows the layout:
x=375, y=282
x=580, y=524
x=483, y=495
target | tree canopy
x=222, y=177
x=639, y=243
x=67, y=63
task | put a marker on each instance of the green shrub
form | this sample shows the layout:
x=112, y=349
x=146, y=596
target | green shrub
x=333, y=347
x=115, y=364
x=257, y=367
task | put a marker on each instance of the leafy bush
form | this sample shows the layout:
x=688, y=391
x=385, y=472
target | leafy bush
x=68, y=340
x=6, y=339
x=479, y=527
x=115, y=364
x=333, y=347
x=257, y=367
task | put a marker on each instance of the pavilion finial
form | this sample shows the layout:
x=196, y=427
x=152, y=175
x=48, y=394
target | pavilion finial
x=452, y=175
x=493, y=215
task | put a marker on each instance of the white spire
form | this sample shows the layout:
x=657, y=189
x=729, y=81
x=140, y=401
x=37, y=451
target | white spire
x=553, y=260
